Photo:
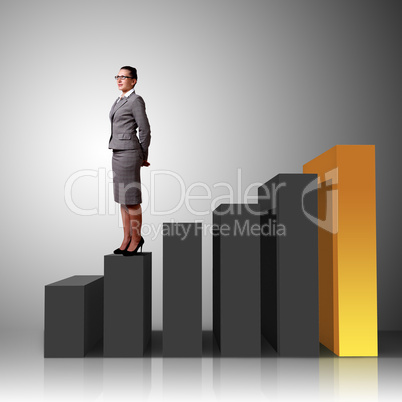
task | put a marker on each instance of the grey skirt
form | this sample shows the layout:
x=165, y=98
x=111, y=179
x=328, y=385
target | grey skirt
x=126, y=165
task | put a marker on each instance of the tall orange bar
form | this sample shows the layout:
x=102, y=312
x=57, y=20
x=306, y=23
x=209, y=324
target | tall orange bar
x=347, y=255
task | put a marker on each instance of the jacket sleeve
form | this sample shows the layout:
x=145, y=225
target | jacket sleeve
x=144, y=129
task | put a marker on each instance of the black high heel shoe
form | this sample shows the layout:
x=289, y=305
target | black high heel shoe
x=135, y=251
x=120, y=251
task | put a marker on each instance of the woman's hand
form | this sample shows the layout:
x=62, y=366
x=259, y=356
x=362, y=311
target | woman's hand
x=145, y=163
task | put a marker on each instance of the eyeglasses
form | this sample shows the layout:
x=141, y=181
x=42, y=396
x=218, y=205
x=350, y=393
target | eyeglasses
x=121, y=77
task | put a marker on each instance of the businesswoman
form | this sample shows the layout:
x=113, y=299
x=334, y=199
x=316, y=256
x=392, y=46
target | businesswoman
x=130, y=152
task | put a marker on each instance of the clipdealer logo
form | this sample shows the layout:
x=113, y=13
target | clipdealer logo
x=106, y=204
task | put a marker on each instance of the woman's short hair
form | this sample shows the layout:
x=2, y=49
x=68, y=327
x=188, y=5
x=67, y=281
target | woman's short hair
x=133, y=71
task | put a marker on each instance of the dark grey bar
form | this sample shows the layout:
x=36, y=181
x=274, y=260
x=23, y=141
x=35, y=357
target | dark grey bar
x=289, y=264
x=73, y=316
x=236, y=280
x=182, y=278
x=128, y=283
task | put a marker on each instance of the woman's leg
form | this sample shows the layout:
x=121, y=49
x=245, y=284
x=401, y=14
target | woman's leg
x=135, y=214
x=126, y=226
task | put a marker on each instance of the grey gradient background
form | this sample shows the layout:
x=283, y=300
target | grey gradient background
x=263, y=86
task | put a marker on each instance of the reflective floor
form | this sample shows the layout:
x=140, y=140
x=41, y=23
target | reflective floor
x=26, y=376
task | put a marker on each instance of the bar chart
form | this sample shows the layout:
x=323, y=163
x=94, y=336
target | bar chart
x=296, y=269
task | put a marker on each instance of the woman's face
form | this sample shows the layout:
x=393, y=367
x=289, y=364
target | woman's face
x=127, y=84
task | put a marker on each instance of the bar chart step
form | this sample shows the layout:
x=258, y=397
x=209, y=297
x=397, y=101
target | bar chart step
x=182, y=297
x=289, y=264
x=127, y=318
x=73, y=316
x=236, y=280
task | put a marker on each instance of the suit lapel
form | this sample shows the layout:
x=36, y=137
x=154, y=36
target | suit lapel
x=117, y=107
x=112, y=109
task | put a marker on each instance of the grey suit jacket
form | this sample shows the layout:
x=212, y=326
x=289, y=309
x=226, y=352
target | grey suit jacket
x=126, y=116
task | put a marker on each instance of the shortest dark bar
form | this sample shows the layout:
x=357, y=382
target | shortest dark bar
x=73, y=315
x=128, y=283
